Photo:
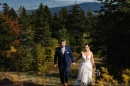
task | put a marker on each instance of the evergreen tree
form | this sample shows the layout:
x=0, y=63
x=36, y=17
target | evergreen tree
x=111, y=38
x=56, y=25
x=26, y=34
x=63, y=34
x=12, y=13
x=5, y=7
x=63, y=16
x=48, y=14
x=26, y=48
x=42, y=32
x=91, y=27
x=40, y=19
x=76, y=26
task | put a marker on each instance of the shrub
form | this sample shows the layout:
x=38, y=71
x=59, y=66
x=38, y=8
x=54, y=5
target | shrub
x=126, y=76
x=106, y=79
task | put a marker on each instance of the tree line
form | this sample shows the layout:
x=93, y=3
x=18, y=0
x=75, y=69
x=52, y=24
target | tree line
x=28, y=40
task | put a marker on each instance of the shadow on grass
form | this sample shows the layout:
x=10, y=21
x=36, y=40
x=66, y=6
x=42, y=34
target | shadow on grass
x=56, y=75
x=73, y=73
x=31, y=84
x=54, y=78
x=7, y=82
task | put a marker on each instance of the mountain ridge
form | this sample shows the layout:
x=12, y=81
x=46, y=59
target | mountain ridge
x=92, y=6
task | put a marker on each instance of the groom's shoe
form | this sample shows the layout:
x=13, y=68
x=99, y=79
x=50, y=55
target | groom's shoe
x=65, y=84
x=62, y=84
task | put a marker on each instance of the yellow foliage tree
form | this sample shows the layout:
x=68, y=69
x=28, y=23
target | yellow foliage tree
x=40, y=57
x=106, y=79
x=126, y=76
x=50, y=50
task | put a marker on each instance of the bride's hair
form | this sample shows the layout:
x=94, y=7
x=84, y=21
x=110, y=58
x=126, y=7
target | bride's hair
x=86, y=44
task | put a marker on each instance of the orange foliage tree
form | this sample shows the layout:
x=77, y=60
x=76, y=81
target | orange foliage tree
x=9, y=41
x=14, y=26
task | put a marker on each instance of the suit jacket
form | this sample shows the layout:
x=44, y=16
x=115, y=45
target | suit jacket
x=63, y=58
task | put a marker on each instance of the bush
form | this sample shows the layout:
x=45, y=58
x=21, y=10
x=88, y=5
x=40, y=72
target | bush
x=106, y=79
x=126, y=76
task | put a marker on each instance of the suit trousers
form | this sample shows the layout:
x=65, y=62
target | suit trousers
x=64, y=73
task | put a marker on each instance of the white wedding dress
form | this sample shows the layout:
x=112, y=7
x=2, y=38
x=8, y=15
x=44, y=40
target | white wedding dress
x=85, y=71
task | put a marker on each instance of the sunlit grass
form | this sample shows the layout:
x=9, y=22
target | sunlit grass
x=52, y=76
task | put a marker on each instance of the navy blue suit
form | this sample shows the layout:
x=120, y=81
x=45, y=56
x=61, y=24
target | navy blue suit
x=64, y=61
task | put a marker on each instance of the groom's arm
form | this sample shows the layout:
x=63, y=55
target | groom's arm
x=55, y=57
x=71, y=55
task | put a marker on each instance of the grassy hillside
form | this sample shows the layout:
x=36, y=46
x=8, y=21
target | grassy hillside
x=51, y=77
x=31, y=78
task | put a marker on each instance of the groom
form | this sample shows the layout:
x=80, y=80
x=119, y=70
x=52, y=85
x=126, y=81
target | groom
x=63, y=54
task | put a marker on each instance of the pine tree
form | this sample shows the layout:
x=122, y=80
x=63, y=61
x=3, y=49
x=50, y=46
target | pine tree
x=27, y=29
x=12, y=13
x=111, y=38
x=63, y=16
x=63, y=34
x=26, y=48
x=76, y=25
x=56, y=25
x=48, y=14
x=41, y=27
x=5, y=7
x=40, y=19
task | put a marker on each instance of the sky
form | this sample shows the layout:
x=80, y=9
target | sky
x=34, y=4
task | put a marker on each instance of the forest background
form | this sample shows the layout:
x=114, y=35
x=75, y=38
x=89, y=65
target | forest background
x=28, y=40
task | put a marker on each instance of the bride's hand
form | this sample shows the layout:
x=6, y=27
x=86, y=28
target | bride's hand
x=73, y=63
x=94, y=68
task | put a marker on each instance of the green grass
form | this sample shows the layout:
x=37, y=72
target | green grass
x=50, y=78
x=53, y=75
x=46, y=79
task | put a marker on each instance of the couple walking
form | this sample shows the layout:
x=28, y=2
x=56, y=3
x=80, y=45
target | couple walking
x=63, y=54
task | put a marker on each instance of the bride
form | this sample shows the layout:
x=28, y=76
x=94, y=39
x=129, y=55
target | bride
x=86, y=66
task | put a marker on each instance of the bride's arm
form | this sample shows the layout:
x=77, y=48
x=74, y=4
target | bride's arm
x=92, y=60
x=78, y=57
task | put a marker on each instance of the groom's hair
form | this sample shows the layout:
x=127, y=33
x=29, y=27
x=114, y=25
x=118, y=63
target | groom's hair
x=63, y=40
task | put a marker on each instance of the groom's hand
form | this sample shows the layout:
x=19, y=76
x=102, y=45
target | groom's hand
x=55, y=66
x=73, y=63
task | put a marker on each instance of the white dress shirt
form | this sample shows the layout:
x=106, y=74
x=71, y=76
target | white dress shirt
x=63, y=50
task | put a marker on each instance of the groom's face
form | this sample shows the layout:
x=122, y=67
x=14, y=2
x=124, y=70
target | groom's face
x=63, y=43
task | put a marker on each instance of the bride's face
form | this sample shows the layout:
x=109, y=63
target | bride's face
x=87, y=48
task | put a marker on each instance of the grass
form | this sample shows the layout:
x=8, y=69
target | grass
x=53, y=76
x=31, y=78
x=48, y=79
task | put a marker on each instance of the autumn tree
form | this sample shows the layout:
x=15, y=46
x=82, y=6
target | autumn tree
x=8, y=36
